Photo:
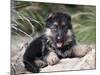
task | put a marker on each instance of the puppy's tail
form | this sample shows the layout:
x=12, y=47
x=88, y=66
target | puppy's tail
x=31, y=67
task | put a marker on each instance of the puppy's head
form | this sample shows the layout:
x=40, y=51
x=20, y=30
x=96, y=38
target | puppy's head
x=59, y=28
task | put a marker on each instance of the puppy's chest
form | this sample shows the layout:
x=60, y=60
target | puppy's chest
x=63, y=53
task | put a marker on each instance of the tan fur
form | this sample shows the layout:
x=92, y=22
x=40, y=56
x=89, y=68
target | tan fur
x=40, y=63
x=69, y=33
x=80, y=50
x=48, y=32
x=63, y=23
x=69, y=37
x=55, y=23
x=52, y=58
x=50, y=15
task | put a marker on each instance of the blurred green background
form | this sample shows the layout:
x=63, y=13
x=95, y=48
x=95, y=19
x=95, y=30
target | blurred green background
x=28, y=19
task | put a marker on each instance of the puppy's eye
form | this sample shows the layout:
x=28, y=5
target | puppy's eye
x=53, y=28
x=66, y=28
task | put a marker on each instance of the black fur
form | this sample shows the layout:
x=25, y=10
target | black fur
x=49, y=48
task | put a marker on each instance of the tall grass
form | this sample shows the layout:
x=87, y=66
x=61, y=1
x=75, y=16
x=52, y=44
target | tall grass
x=28, y=19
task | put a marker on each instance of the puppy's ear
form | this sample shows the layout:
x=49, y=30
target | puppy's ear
x=68, y=17
x=69, y=20
x=49, y=16
x=49, y=19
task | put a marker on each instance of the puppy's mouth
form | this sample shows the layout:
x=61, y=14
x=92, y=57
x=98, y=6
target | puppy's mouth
x=59, y=44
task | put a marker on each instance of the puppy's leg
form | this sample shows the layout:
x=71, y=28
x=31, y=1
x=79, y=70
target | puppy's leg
x=51, y=58
x=31, y=67
x=80, y=50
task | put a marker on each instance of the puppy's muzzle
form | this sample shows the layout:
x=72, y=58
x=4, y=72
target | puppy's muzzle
x=60, y=39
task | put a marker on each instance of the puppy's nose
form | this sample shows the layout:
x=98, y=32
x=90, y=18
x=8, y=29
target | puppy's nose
x=58, y=38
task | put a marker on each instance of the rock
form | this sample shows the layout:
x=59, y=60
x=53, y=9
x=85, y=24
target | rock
x=85, y=59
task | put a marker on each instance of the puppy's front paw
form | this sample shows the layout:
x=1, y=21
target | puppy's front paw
x=52, y=58
x=40, y=63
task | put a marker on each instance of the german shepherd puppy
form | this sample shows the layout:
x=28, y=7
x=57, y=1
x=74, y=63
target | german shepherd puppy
x=56, y=43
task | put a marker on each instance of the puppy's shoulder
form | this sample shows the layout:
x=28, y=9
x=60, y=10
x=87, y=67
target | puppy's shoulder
x=37, y=40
